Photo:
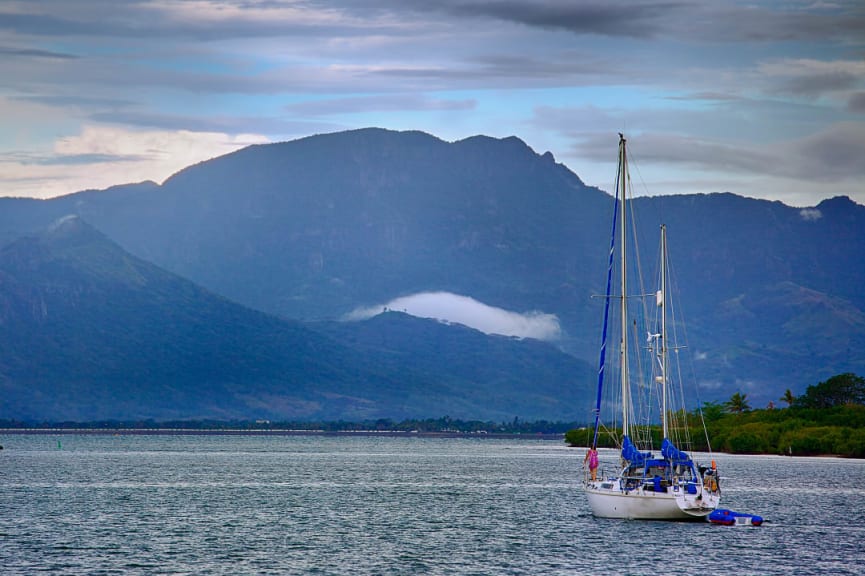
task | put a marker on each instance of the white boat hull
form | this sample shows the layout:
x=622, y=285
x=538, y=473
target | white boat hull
x=607, y=500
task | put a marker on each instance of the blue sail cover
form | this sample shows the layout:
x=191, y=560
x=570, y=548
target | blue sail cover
x=632, y=455
x=673, y=454
x=602, y=361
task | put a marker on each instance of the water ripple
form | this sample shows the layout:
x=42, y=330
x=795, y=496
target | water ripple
x=328, y=506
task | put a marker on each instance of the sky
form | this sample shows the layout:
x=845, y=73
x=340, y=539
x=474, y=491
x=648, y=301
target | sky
x=764, y=99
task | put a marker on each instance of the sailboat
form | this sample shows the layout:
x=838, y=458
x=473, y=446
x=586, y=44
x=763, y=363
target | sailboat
x=653, y=480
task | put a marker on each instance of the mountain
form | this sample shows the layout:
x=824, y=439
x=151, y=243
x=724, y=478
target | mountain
x=92, y=332
x=328, y=223
x=315, y=228
x=498, y=375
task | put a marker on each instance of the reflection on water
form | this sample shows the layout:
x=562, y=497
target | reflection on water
x=346, y=505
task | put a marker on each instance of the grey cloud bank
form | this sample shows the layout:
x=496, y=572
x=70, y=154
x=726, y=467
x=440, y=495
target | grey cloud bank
x=763, y=99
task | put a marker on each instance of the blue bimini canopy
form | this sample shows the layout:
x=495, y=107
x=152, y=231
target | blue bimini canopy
x=673, y=454
x=632, y=455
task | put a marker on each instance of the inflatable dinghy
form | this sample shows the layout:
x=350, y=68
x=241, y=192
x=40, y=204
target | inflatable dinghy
x=730, y=518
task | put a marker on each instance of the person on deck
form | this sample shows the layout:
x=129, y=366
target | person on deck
x=592, y=459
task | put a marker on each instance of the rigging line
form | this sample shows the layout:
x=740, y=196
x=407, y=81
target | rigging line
x=635, y=257
x=677, y=409
x=639, y=404
x=636, y=164
x=661, y=344
x=678, y=324
x=644, y=391
x=655, y=347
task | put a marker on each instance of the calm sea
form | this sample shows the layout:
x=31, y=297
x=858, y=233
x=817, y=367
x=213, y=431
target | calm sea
x=369, y=505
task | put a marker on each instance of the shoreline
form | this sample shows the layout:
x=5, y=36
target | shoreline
x=773, y=454
x=275, y=432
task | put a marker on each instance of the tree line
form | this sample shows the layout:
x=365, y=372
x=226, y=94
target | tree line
x=828, y=419
x=444, y=424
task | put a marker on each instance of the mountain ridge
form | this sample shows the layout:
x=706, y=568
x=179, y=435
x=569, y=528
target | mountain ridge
x=314, y=228
x=91, y=332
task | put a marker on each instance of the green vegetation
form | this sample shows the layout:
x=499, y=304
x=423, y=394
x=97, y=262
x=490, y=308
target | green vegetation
x=829, y=419
x=840, y=390
x=738, y=403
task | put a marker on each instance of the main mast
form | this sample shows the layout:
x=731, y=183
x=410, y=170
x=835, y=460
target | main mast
x=623, y=360
x=661, y=300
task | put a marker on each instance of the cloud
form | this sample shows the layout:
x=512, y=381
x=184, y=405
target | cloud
x=464, y=310
x=178, y=147
x=729, y=95
x=856, y=102
x=774, y=22
x=813, y=78
x=377, y=103
x=784, y=150
x=225, y=124
x=500, y=70
x=672, y=149
x=711, y=384
x=197, y=19
x=103, y=156
x=635, y=19
x=692, y=21
x=830, y=155
x=87, y=159
x=73, y=101
x=709, y=96
x=810, y=214
x=8, y=51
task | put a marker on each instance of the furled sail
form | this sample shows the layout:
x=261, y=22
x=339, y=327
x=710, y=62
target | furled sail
x=632, y=455
x=673, y=454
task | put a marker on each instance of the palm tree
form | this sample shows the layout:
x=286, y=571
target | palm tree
x=738, y=403
x=788, y=398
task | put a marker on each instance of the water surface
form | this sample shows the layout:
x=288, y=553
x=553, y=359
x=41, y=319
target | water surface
x=368, y=505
